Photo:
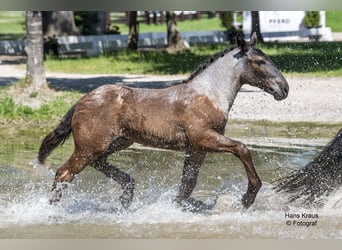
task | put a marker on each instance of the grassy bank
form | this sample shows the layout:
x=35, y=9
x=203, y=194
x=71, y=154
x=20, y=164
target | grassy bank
x=53, y=110
x=315, y=59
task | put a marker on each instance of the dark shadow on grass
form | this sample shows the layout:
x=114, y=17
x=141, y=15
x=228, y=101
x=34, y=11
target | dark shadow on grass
x=85, y=85
x=82, y=84
x=7, y=81
x=160, y=62
x=88, y=84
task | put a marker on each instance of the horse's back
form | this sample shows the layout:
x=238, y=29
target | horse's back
x=98, y=114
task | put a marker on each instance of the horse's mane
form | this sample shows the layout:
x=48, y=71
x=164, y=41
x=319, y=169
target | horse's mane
x=206, y=63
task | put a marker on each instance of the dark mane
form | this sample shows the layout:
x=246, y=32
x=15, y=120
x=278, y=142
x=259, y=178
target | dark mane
x=206, y=63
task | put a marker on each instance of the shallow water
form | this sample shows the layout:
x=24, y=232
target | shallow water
x=90, y=207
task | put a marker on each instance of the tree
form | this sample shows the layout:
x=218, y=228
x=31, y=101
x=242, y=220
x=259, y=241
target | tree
x=227, y=22
x=59, y=23
x=256, y=26
x=312, y=19
x=133, y=33
x=227, y=19
x=35, y=70
x=34, y=90
x=174, y=39
x=91, y=22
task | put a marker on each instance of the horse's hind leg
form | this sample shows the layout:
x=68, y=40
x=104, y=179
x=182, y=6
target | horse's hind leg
x=125, y=180
x=192, y=164
x=66, y=173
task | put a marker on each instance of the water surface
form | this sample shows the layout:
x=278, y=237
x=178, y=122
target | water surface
x=90, y=207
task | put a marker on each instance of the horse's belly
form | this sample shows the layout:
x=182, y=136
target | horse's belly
x=173, y=141
x=165, y=145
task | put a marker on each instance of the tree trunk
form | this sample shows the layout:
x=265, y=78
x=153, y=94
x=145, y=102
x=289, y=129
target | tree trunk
x=103, y=22
x=227, y=21
x=318, y=178
x=35, y=71
x=174, y=39
x=59, y=23
x=133, y=35
x=35, y=91
x=256, y=25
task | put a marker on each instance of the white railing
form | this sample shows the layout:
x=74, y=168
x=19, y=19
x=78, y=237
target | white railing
x=95, y=45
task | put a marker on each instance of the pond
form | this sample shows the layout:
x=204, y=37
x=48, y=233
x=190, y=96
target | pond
x=90, y=207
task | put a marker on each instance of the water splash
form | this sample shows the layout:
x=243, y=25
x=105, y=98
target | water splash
x=90, y=207
x=153, y=213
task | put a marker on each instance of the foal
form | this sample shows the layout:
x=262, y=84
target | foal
x=190, y=116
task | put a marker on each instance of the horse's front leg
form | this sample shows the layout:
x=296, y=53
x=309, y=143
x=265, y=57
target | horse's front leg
x=215, y=142
x=192, y=164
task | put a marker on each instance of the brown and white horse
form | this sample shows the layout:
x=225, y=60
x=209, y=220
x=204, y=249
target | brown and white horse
x=190, y=116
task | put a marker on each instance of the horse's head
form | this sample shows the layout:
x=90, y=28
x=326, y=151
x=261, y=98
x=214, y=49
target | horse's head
x=258, y=69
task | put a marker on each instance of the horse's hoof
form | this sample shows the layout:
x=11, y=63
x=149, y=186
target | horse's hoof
x=247, y=201
x=54, y=200
x=56, y=197
x=126, y=199
x=195, y=206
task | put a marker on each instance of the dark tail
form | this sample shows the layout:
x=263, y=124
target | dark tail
x=57, y=136
x=319, y=177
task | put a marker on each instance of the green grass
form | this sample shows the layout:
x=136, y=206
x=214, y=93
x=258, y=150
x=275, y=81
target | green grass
x=54, y=109
x=334, y=20
x=12, y=25
x=188, y=25
x=315, y=59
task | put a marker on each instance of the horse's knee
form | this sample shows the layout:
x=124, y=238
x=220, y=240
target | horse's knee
x=243, y=151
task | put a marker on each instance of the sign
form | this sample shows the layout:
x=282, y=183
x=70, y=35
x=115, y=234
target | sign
x=283, y=25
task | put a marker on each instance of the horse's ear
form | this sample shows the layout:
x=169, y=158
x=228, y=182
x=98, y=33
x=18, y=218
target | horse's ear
x=254, y=39
x=241, y=42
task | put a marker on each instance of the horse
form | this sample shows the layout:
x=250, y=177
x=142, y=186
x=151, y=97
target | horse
x=189, y=116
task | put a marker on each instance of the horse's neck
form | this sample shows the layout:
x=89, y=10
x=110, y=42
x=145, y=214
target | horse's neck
x=219, y=82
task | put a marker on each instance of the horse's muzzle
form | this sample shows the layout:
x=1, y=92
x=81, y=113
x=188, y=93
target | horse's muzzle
x=279, y=89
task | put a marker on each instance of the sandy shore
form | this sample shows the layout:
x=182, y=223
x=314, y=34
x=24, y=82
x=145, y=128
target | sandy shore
x=314, y=99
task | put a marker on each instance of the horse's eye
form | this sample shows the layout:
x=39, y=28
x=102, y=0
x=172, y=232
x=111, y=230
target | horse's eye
x=260, y=62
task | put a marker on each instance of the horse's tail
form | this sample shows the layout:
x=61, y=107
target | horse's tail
x=57, y=136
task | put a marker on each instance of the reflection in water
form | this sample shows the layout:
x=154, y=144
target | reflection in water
x=90, y=206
